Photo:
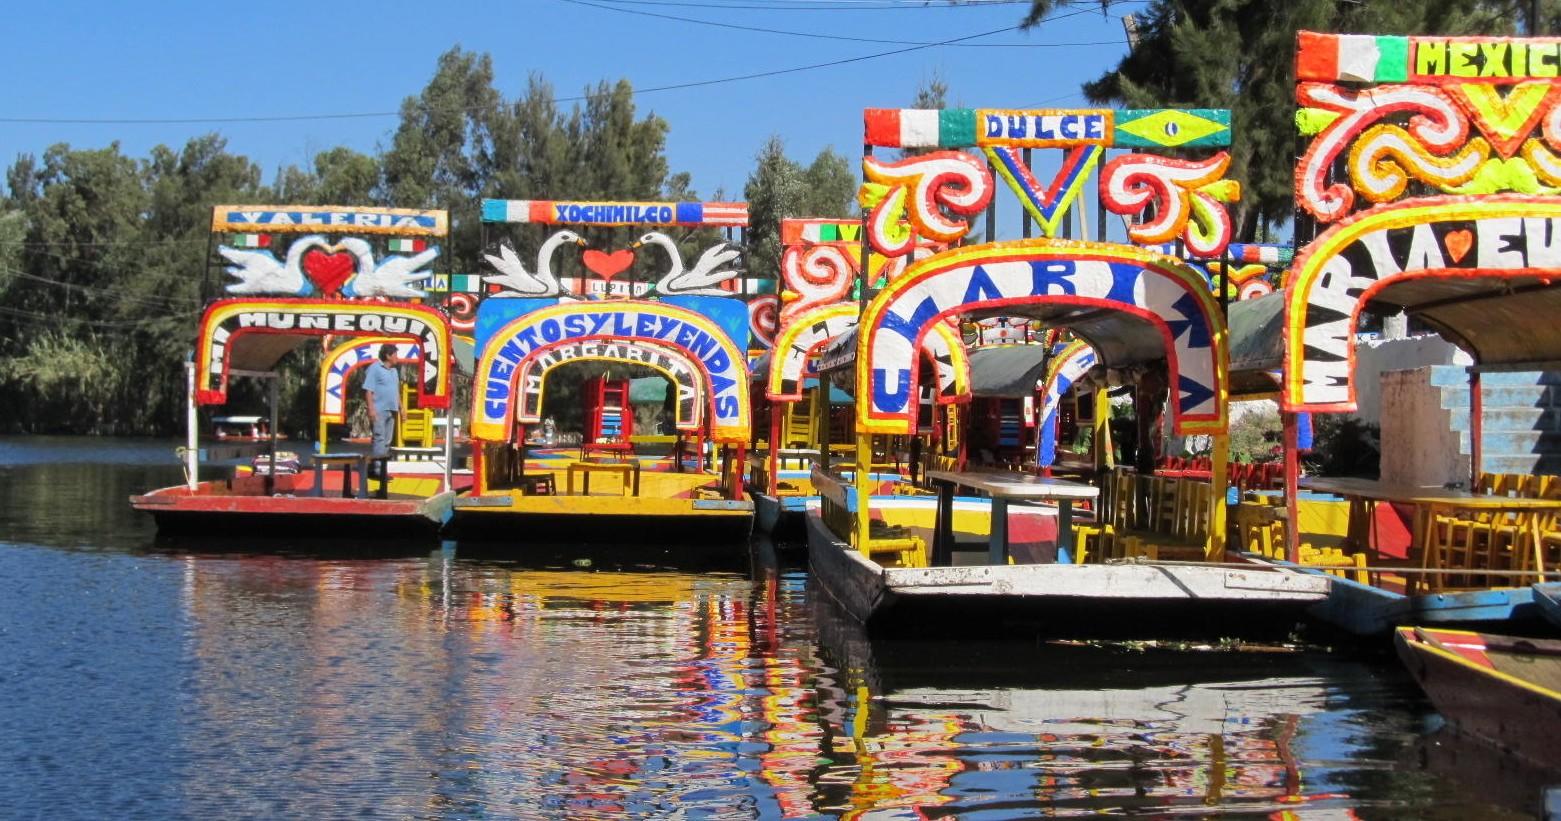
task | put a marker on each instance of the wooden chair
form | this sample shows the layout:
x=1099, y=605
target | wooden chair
x=1098, y=538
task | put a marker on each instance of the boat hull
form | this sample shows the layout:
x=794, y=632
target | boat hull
x=180, y=513
x=517, y=520
x=1547, y=600
x=1124, y=601
x=1519, y=716
x=1366, y=611
x=781, y=518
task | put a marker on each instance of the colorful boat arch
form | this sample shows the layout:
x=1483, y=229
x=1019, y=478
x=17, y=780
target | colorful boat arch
x=226, y=322
x=1485, y=238
x=509, y=351
x=1166, y=293
x=684, y=373
x=803, y=337
x=1067, y=367
x=338, y=365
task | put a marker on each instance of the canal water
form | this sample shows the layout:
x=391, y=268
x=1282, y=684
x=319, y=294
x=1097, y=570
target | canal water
x=142, y=679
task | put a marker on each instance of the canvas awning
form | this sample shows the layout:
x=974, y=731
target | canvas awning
x=1257, y=344
x=1499, y=321
x=1007, y=371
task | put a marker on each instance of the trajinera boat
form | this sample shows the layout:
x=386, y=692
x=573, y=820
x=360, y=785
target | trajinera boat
x=897, y=558
x=602, y=292
x=1503, y=690
x=350, y=280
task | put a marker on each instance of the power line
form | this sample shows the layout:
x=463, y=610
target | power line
x=820, y=36
x=575, y=98
x=145, y=300
x=56, y=320
x=824, y=5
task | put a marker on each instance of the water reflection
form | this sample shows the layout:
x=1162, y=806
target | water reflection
x=436, y=686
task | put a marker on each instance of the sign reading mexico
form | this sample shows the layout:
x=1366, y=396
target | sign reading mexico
x=1164, y=292
x=226, y=326
x=509, y=351
x=686, y=377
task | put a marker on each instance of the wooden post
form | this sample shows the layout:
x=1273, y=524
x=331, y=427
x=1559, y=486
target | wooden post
x=271, y=475
x=864, y=494
x=1219, y=464
x=1292, y=488
x=778, y=412
x=1104, y=454
x=738, y=468
x=1476, y=429
x=192, y=434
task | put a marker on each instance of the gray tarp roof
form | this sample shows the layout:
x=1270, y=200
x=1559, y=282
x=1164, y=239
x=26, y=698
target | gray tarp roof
x=1009, y=371
x=1257, y=344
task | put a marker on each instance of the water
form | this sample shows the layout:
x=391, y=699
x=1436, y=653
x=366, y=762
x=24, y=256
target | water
x=149, y=680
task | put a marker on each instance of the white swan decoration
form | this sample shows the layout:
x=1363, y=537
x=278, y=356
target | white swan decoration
x=517, y=281
x=701, y=279
x=260, y=272
x=393, y=276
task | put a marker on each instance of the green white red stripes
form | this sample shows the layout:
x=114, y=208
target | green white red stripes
x=920, y=127
x=1356, y=58
x=251, y=240
x=402, y=245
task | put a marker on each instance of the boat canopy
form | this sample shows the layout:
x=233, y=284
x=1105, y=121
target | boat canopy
x=1257, y=345
x=1007, y=371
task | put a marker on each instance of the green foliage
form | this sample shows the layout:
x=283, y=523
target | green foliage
x=103, y=266
x=1344, y=446
x=1257, y=436
x=779, y=188
x=1240, y=54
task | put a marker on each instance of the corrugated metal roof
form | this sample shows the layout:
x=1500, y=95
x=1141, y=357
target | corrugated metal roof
x=1009, y=371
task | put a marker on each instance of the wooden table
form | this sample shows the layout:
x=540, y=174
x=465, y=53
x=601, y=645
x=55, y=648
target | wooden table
x=1364, y=494
x=623, y=469
x=808, y=455
x=1003, y=487
x=619, y=449
x=417, y=454
x=347, y=462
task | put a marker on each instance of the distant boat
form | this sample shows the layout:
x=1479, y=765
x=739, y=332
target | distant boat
x=1501, y=689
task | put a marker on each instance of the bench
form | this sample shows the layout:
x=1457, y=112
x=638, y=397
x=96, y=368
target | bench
x=625, y=471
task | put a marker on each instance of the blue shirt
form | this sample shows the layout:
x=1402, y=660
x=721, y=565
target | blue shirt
x=385, y=382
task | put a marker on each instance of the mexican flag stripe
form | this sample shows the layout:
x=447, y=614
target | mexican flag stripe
x=251, y=240
x=1358, y=58
x=407, y=246
x=920, y=128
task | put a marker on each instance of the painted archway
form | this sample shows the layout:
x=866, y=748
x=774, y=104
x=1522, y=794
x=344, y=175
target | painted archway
x=339, y=363
x=1067, y=367
x=288, y=321
x=796, y=344
x=684, y=374
x=1166, y=293
x=510, y=349
x=1493, y=237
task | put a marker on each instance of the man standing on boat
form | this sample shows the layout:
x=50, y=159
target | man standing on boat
x=382, y=387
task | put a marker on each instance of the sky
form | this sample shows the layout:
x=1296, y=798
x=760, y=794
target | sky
x=206, y=64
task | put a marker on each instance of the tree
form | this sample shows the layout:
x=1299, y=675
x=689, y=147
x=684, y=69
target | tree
x=1240, y=54
x=774, y=191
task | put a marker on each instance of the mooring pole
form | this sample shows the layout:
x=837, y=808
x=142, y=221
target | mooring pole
x=192, y=430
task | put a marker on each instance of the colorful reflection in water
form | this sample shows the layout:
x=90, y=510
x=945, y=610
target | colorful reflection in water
x=239, y=684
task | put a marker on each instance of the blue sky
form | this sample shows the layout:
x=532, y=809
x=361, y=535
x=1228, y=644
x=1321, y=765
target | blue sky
x=204, y=61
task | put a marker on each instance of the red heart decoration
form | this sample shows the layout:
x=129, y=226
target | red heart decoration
x=607, y=265
x=1458, y=243
x=329, y=270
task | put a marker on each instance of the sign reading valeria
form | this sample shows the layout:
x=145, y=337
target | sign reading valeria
x=300, y=219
